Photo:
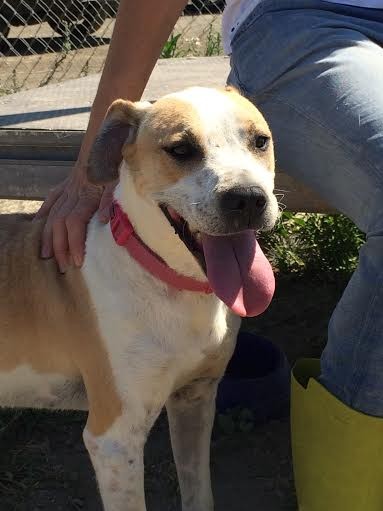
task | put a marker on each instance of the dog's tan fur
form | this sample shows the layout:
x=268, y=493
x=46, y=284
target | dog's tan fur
x=48, y=323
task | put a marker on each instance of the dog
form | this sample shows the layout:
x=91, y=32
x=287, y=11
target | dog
x=151, y=318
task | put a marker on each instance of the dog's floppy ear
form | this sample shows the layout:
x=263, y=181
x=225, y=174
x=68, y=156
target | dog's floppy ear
x=119, y=128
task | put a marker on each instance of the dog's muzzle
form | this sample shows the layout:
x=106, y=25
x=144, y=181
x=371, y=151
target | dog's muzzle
x=243, y=207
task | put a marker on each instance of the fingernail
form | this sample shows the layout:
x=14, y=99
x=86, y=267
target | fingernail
x=77, y=260
x=104, y=216
x=63, y=266
x=45, y=253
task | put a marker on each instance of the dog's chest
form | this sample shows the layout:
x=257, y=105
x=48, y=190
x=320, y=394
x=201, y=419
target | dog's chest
x=168, y=339
x=153, y=334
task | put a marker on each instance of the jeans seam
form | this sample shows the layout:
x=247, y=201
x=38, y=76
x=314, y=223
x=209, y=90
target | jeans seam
x=356, y=374
x=334, y=134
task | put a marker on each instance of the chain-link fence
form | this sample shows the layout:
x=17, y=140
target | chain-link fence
x=48, y=41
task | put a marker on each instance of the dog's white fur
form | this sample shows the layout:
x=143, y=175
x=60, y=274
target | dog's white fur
x=157, y=347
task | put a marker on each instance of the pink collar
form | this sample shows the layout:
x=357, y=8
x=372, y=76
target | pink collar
x=125, y=236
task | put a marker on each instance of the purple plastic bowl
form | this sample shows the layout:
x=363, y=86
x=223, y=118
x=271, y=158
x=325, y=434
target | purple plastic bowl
x=257, y=378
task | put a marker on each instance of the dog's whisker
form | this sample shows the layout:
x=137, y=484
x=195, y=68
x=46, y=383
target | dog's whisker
x=280, y=190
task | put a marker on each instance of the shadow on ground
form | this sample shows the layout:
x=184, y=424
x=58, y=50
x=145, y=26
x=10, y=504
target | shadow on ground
x=42, y=45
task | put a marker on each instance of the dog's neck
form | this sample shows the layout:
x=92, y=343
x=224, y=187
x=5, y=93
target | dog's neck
x=154, y=229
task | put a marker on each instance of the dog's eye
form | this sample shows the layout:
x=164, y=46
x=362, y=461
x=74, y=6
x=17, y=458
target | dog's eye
x=262, y=142
x=182, y=151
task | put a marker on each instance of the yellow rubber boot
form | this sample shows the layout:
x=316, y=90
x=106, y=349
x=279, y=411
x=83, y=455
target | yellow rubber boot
x=337, y=451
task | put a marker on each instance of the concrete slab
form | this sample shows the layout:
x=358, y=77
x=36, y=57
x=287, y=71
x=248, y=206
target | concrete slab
x=66, y=105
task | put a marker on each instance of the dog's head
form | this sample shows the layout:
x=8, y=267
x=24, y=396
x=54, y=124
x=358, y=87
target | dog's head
x=205, y=156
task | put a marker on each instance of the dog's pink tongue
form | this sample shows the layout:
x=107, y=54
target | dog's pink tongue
x=238, y=272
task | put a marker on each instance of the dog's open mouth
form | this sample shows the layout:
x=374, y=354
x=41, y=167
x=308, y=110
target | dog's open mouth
x=236, y=268
x=191, y=240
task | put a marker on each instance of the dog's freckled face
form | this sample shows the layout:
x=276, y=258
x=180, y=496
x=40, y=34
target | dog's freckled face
x=206, y=154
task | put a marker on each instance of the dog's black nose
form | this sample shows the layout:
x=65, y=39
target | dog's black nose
x=249, y=201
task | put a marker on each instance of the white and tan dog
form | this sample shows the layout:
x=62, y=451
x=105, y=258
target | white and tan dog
x=122, y=339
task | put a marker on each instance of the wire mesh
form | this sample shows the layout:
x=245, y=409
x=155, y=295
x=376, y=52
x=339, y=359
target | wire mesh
x=48, y=41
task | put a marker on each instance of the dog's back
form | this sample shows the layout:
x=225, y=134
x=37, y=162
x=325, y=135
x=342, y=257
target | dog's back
x=45, y=320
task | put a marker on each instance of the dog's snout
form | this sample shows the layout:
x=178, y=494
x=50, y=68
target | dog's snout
x=244, y=200
x=243, y=207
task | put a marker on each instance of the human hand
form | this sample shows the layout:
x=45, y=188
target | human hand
x=67, y=211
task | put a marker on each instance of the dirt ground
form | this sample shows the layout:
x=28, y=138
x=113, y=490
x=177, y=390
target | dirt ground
x=34, y=55
x=44, y=466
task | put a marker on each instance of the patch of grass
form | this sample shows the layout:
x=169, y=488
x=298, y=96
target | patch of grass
x=193, y=46
x=13, y=85
x=85, y=69
x=213, y=43
x=5, y=90
x=59, y=60
x=67, y=45
x=178, y=46
x=170, y=49
x=66, y=48
x=313, y=243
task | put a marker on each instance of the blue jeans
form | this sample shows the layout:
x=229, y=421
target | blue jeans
x=315, y=70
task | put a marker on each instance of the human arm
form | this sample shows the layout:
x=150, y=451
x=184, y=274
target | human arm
x=140, y=31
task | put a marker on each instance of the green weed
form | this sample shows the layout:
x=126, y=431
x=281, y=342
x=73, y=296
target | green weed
x=170, y=49
x=11, y=85
x=213, y=43
x=178, y=46
x=313, y=243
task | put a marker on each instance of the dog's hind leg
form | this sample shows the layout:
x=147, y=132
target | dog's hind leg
x=191, y=414
x=117, y=457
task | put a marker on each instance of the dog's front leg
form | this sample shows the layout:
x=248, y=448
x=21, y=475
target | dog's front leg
x=191, y=414
x=117, y=457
